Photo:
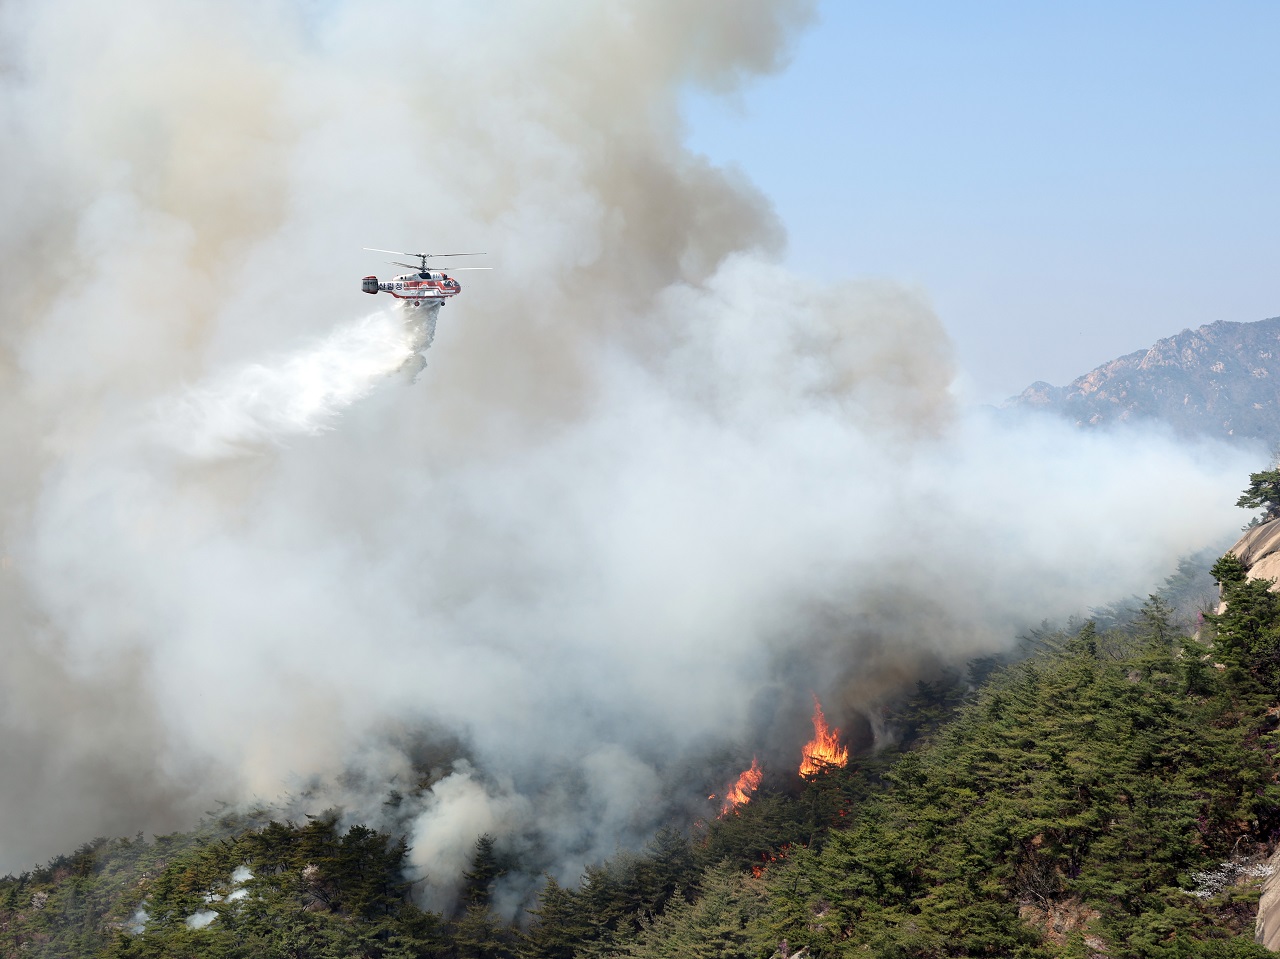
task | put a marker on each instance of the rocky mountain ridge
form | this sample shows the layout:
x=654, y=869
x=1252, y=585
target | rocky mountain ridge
x=1220, y=380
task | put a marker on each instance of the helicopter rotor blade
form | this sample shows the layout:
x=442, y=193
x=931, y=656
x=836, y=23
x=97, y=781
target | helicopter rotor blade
x=374, y=249
x=407, y=266
x=459, y=269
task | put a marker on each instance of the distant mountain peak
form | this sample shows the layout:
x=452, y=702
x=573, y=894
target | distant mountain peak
x=1221, y=380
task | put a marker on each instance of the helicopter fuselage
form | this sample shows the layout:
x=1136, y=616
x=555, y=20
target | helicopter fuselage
x=422, y=288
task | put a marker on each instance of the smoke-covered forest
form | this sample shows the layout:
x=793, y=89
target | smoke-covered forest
x=501, y=627
x=1103, y=791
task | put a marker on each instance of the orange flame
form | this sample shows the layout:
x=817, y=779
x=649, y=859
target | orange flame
x=823, y=751
x=739, y=794
x=768, y=858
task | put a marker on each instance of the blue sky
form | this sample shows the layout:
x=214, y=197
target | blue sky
x=1065, y=183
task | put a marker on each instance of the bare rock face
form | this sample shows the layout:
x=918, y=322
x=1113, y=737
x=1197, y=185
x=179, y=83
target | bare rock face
x=1220, y=380
x=1259, y=550
x=1058, y=919
x=1266, y=929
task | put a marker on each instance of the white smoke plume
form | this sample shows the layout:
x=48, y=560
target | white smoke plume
x=652, y=490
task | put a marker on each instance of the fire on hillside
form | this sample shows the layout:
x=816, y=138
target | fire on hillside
x=739, y=794
x=821, y=753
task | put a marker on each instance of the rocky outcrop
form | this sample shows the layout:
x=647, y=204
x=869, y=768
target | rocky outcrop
x=1267, y=926
x=1220, y=380
x=1058, y=920
x=1259, y=550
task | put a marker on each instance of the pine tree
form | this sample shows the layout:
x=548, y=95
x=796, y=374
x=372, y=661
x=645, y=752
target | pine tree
x=1263, y=492
x=485, y=870
x=560, y=924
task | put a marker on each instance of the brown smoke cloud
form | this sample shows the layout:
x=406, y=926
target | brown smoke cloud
x=649, y=483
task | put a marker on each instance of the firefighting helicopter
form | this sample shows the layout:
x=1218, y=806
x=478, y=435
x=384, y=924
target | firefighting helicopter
x=422, y=287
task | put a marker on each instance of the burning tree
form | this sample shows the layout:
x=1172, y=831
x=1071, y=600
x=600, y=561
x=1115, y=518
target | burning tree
x=823, y=751
x=739, y=794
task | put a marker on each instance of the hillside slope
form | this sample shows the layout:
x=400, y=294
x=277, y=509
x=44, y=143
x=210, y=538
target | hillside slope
x=1114, y=794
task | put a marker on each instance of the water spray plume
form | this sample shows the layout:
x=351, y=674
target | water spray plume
x=739, y=794
x=271, y=400
x=823, y=751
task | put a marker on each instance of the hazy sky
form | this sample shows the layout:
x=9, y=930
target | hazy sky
x=1065, y=183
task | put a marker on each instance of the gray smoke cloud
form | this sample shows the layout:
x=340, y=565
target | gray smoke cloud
x=651, y=491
